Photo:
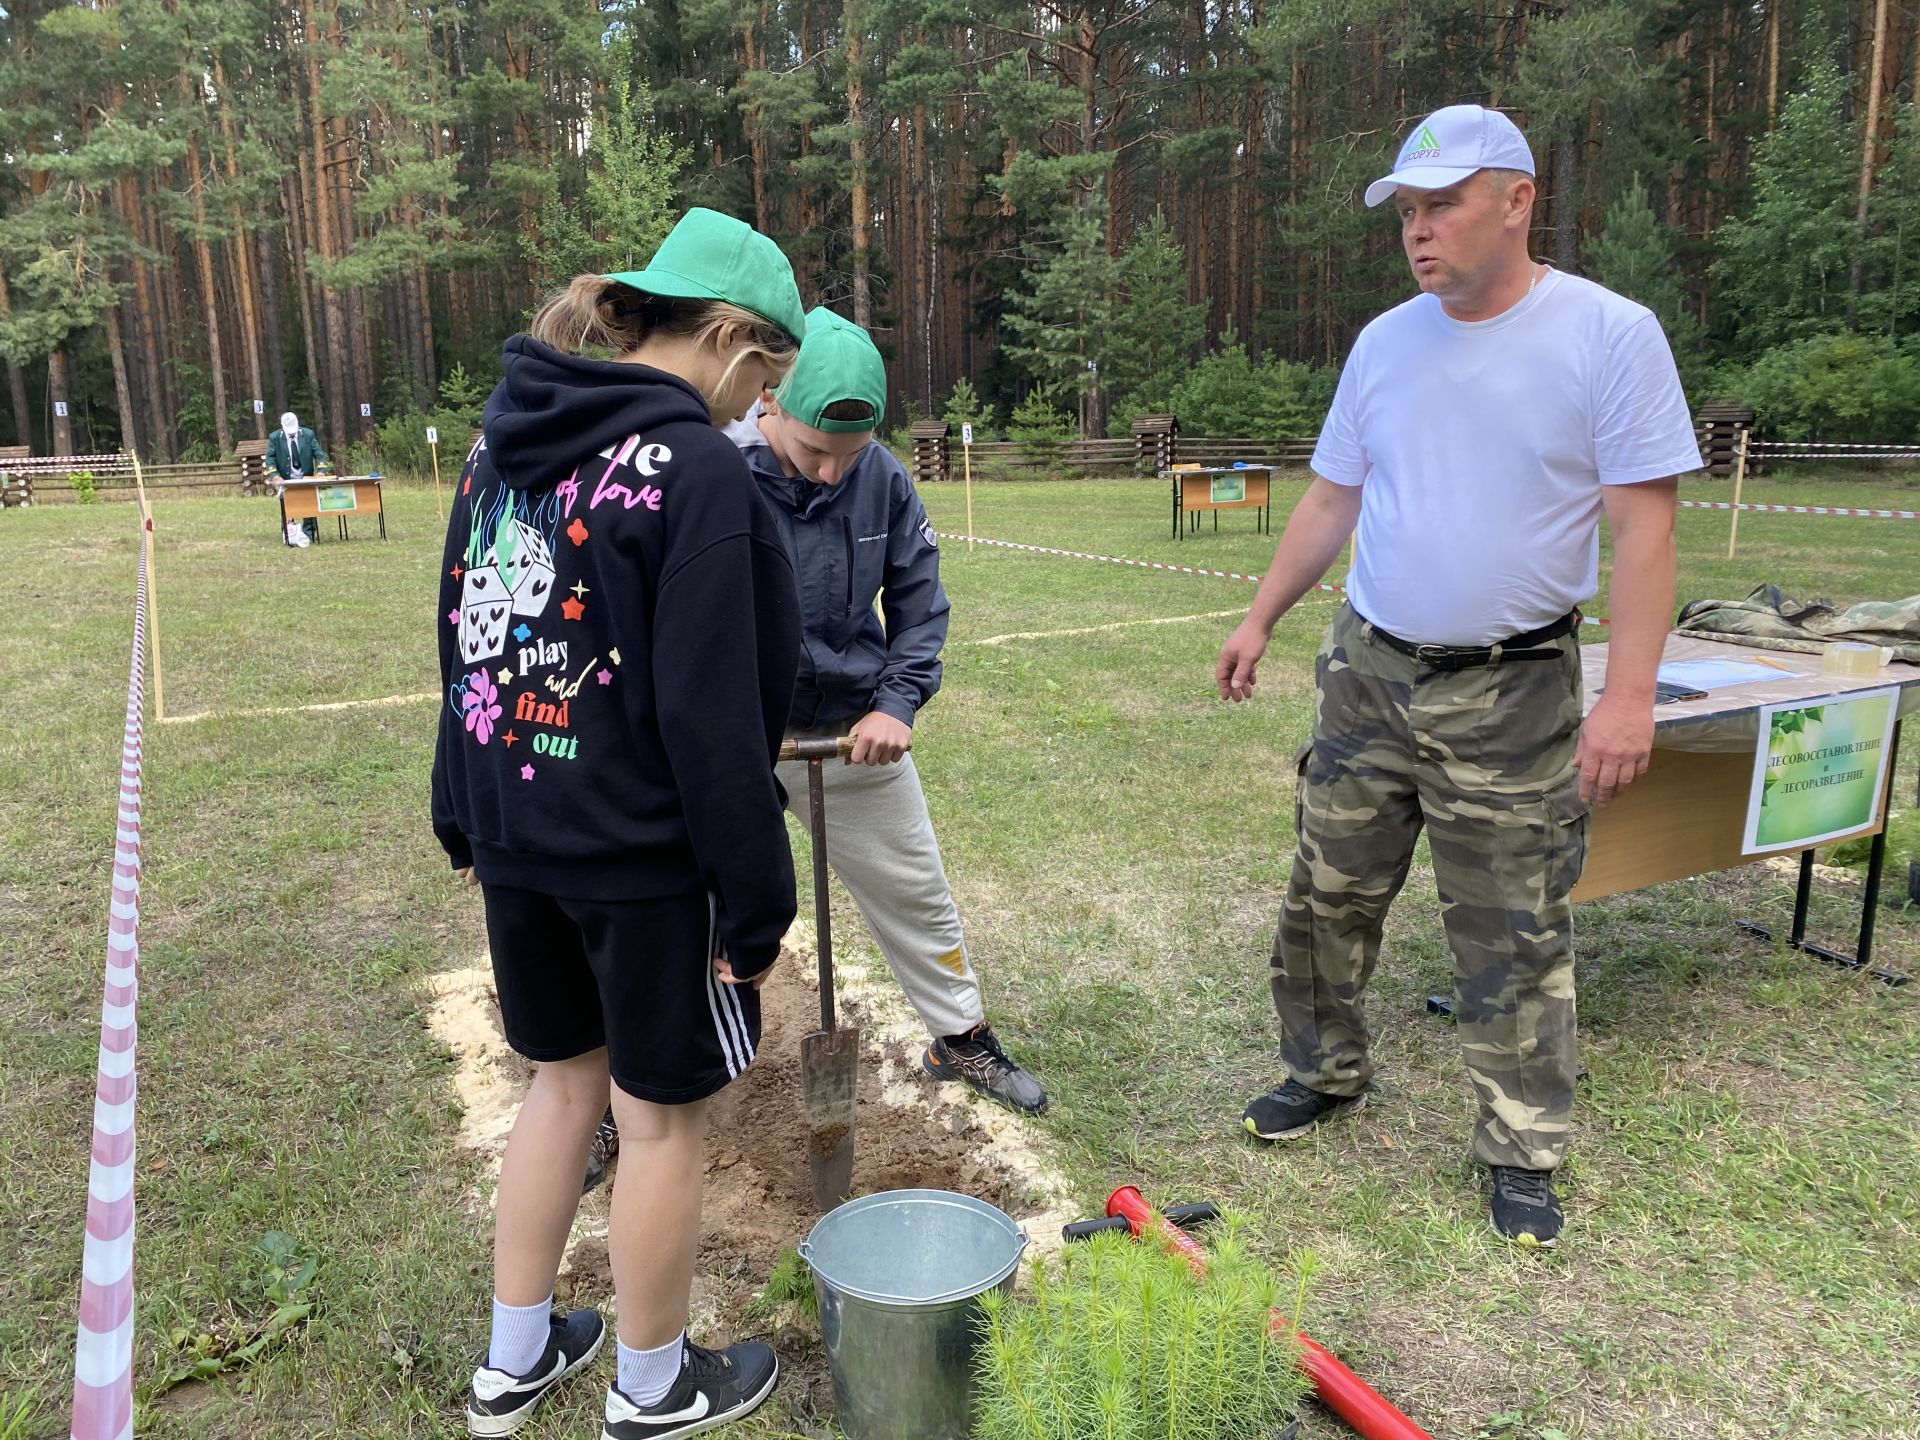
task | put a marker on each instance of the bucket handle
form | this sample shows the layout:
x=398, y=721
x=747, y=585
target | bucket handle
x=805, y=1251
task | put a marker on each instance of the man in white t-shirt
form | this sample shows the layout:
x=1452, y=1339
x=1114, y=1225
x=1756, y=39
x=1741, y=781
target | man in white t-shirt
x=1479, y=432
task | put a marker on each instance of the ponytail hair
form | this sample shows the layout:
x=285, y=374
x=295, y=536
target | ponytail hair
x=595, y=313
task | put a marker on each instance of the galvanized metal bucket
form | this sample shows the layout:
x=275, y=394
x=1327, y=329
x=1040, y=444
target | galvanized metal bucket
x=899, y=1276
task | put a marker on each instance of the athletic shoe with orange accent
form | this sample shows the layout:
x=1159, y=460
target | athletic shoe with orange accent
x=977, y=1061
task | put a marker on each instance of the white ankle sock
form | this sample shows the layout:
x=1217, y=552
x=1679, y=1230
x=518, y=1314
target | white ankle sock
x=647, y=1375
x=519, y=1336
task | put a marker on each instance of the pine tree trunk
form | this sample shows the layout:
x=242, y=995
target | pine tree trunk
x=423, y=308
x=57, y=402
x=1773, y=60
x=861, y=217
x=1869, y=146
x=755, y=59
x=16, y=380
x=1566, y=205
x=322, y=220
x=310, y=320
x=1257, y=239
x=122, y=390
x=242, y=263
x=203, y=263
x=275, y=337
x=925, y=255
x=147, y=320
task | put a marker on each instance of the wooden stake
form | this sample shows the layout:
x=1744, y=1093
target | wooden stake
x=966, y=462
x=153, y=591
x=1739, y=479
x=439, y=505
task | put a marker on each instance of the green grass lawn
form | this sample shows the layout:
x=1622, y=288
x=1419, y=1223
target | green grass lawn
x=1742, y=1258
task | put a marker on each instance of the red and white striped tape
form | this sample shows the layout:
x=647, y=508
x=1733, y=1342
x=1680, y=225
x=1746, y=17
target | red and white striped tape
x=1153, y=564
x=1801, y=509
x=103, y=1353
x=1120, y=560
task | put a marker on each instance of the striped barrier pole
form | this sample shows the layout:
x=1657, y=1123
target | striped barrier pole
x=103, y=1350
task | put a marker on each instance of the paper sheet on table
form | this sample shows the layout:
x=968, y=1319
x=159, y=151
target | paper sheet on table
x=1714, y=674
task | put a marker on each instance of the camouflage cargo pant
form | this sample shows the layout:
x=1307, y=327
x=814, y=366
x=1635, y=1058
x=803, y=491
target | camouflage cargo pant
x=1483, y=758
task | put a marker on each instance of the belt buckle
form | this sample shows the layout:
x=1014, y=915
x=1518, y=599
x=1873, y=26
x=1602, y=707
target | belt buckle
x=1431, y=654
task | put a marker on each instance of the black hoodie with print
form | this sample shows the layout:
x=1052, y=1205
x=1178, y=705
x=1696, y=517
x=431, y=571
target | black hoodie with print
x=619, y=635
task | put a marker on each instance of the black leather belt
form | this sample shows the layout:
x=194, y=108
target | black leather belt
x=1467, y=657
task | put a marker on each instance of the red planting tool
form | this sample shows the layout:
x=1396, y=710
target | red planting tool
x=1339, y=1389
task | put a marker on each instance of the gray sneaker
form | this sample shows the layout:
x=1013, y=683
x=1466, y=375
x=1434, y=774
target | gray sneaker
x=606, y=1145
x=977, y=1061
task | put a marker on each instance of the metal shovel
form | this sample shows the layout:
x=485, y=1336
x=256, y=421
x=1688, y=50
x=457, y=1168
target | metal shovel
x=830, y=1056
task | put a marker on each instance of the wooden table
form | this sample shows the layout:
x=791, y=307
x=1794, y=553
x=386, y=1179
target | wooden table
x=1687, y=814
x=1206, y=489
x=313, y=496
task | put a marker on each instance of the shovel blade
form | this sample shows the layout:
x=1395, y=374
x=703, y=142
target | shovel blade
x=829, y=1086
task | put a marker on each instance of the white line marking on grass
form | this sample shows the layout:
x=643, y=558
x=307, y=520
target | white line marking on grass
x=1102, y=629
x=410, y=699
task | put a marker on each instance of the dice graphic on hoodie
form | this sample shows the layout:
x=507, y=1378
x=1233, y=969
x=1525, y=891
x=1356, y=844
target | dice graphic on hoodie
x=484, y=606
x=526, y=569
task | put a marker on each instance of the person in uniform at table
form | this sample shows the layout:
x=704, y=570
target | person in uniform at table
x=293, y=452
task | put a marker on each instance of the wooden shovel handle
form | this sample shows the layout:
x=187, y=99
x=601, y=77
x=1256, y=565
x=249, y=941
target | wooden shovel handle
x=830, y=748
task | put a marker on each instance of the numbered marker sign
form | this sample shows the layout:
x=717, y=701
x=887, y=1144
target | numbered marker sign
x=433, y=435
x=60, y=408
x=966, y=434
x=259, y=407
x=366, y=412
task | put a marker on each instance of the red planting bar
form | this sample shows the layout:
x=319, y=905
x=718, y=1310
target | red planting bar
x=1339, y=1389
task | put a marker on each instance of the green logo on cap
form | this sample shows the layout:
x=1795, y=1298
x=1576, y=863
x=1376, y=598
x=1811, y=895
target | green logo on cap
x=1423, y=146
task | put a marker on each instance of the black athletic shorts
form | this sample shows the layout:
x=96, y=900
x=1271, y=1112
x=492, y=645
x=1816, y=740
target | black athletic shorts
x=633, y=975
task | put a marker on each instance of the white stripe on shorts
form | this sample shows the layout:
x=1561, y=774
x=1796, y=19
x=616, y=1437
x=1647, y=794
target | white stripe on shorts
x=734, y=1066
x=729, y=994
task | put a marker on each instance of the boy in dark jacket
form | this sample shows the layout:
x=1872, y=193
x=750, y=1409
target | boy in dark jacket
x=858, y=534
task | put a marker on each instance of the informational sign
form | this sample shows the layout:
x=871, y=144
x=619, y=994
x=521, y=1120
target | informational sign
x=1819, y=770
x=433, y=435
x=966, y=433
x=1228, y=489
x=366, y=412
x=60, y=408
x=259, y=407
x=328, y=498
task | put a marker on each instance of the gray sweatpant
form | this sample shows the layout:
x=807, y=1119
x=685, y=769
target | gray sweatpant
x=880, y=843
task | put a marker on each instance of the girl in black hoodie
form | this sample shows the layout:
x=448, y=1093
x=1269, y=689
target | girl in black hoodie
x=619, y=633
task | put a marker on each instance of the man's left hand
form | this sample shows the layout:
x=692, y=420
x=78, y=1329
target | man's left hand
x=1616, y=742
x=879, y=739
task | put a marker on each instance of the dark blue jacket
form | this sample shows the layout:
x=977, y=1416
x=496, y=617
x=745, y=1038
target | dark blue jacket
x=863, y=539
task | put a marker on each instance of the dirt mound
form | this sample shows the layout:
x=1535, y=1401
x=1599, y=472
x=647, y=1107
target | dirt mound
x=908, y=1134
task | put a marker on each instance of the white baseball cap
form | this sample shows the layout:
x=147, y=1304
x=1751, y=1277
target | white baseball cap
x=1449, y=145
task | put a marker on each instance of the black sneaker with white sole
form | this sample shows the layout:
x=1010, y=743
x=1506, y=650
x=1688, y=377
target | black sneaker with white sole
x=1525, y=1210
x=499, y=1403
x=977, y=1061
x=715, y=1386
x=1293, y=1110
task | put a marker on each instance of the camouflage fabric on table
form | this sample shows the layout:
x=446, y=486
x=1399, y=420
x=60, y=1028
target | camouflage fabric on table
x=1770, y=619
x=1483, y=759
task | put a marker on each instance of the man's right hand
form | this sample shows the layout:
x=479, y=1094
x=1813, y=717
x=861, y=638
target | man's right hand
x=1234, y=673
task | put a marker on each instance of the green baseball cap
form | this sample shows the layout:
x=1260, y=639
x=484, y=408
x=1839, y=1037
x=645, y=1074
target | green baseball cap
x=710, y=256
x=838, y=361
